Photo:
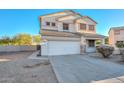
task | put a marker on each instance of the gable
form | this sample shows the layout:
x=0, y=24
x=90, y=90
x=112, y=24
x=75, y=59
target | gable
x=86, y=20
x=69, y=17
x=66, y=12
x=54, y=15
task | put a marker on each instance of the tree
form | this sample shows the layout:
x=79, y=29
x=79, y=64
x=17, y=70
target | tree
x=5, y=40
x=22, y=39
x=106, y=40
x=37, y=39
x=98, y=42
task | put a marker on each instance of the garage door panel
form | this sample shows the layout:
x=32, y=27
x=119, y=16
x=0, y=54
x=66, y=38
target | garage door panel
x=63, y=47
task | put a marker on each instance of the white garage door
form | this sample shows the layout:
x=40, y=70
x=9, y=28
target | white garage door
x=63, y=47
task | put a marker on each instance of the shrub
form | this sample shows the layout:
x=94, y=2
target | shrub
x=37, y=39
x=106, y=51
x=5, y=40
x=120, y=45
x=22, y=39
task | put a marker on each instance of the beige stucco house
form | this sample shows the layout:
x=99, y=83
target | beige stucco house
x=116, y=34
x=68, y=32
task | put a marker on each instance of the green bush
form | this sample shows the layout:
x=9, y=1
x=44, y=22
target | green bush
x=19, y=39
x=37, y=39
x=22, y=39
x=5, y=40
x=120, y=44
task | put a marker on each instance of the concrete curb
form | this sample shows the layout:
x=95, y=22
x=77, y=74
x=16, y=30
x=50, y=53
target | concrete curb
x=55, y=71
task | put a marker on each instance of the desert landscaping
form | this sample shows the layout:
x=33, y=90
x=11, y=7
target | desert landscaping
x=17, y=68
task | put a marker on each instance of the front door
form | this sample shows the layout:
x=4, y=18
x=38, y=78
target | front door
x=90, y=46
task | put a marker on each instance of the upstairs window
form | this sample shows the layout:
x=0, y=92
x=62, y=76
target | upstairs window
x=117, y=32
x=82, y=26
x=91, y=27
x=47, y=23
x=65, y=26
x=53, y=24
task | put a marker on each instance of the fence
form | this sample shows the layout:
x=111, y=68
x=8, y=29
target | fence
x=17, y=48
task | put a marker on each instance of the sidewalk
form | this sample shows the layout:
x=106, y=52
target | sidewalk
x=112, y=80
x=34, y=56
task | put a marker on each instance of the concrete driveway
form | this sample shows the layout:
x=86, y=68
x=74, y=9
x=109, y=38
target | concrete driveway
x=83, y=69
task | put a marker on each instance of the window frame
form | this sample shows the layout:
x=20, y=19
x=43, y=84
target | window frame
x=53, y=23
x=91, y=27
x=65, y=26
x=47, y=23
x=91, y=44
x=83, y=26
x=117, y=32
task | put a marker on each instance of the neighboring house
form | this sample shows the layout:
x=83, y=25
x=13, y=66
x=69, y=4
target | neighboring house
x=68, y=32
x=116, y=34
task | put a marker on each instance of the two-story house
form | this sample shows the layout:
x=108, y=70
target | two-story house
x=116, y=34
x=68, y=32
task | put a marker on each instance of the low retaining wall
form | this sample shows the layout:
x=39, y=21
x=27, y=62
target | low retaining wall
x=116, y=51
x=17, y=48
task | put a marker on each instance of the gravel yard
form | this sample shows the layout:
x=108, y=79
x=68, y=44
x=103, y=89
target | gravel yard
x=17, y=68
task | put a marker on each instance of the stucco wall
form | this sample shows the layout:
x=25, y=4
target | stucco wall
x=120, y=37
x=70, y=21
x=87, y=22
x=114, y=38
x=54, y=38
x=17, y=48
x=51, y=18
x=71, y=26
x=111, y=38
x=60, y=18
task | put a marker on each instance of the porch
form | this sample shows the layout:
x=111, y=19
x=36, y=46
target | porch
x=90, y=41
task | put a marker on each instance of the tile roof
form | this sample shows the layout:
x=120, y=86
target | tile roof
x=86, y=17
x=66, y=11
x=76, y=14
x=71, y=13
x=69, y=34
x=93, y=35
x=89, y=35
x=58, y=34
x=116, y=28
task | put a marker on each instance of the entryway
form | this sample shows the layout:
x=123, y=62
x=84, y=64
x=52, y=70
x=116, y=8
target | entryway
x=90, y=47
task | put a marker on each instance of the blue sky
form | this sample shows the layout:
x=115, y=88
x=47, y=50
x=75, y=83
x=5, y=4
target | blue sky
x=26, y=21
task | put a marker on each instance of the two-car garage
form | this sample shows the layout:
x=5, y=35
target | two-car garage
x=60, y=43
x=61, y=47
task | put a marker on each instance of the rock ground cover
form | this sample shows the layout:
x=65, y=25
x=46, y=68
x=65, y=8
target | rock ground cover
x=20, y=69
